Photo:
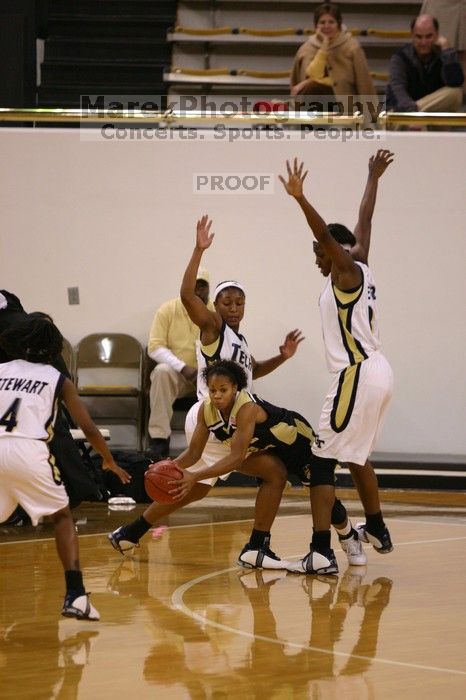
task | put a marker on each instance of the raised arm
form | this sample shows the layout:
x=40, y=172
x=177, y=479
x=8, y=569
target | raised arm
x=208, y=321
x=377, y=166
x=294, y=187
x=345, y=272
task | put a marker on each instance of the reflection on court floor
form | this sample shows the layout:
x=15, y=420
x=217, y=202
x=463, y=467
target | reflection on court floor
x=181, y=620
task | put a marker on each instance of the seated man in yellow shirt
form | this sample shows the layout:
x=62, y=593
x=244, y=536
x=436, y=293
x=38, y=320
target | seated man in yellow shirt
x=172, y=344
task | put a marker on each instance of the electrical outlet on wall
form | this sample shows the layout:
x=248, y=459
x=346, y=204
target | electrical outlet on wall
x=73, y=295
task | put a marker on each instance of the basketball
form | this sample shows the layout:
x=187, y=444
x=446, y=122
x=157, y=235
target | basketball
x=157, y=480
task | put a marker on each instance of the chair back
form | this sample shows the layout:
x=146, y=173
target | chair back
x=109, y=350
x=108, y=376
x=68, y=357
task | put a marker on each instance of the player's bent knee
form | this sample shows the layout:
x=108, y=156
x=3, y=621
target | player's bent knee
x=279, y=475
x=322, y=471
x=198, y=491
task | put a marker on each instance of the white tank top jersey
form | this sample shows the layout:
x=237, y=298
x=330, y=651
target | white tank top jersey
x=349, y=322
x=28, y=399
x=228, y=346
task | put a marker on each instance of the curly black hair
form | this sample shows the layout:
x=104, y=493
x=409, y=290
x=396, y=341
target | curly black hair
x=227, y=368
x=342, y=234
x=35, y=338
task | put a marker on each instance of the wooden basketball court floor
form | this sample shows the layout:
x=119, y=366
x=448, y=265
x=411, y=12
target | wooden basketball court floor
x=180, y=620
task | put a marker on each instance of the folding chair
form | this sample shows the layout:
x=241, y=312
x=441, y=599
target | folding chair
x=69, y=358
x=108, y=374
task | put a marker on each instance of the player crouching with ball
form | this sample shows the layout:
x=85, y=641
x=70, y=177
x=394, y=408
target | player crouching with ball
x=264, y=441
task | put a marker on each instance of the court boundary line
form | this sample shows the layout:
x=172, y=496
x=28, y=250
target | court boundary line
x=250, y=520
x=178, y=604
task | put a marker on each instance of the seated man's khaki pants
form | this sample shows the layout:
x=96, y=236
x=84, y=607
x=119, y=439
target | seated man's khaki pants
x=447, y=99
x=166, y=385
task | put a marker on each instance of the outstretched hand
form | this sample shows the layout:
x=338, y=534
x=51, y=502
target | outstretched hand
x=292, y=340
x=203, y=236
x=294, y=185
x=122, y=474
x=380, y=162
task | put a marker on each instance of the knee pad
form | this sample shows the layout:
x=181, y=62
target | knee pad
x=322, y=471
x=338, y=512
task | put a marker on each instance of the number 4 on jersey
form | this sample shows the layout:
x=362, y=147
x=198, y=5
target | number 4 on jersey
x=9, y=418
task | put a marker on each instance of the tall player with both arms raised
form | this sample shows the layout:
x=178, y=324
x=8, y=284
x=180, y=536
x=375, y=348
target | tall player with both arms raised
x=362, y=383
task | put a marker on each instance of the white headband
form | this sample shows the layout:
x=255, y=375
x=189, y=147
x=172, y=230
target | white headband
x=224, y=285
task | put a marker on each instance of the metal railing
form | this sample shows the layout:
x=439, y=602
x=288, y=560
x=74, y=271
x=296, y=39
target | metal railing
x=171, y=117
x=177, y=118
x=445, y=119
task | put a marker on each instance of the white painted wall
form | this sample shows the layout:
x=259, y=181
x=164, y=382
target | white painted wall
x=117, y=219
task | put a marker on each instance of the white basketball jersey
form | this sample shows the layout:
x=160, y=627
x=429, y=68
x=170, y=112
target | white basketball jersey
x=228, y=346
x=349, y=322
x=28, y=399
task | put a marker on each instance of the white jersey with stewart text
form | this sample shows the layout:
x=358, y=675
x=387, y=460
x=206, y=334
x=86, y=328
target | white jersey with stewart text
x=349, y=322
x=228, y=346
x=28, y=399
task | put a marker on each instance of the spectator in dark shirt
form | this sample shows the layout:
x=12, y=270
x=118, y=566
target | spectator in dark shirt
x=424, y=77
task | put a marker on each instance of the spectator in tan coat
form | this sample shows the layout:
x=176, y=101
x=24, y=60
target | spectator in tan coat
x=332, y=61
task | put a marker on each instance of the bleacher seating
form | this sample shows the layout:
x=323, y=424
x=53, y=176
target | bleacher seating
x=217, y=47
x=104, y=47
x=227, y=46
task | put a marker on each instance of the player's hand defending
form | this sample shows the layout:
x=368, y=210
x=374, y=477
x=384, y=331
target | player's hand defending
x=294, y=186
x=203, y=236
x=123, y=475
x=182, y=486
x=292, y=340
x=380, y=162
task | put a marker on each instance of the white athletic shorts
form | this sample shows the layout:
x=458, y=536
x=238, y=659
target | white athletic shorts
x=354, y=410
x=28, y=478
x=213, y=451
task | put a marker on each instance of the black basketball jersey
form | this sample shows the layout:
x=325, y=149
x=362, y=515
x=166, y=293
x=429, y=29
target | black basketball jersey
x=285, y=432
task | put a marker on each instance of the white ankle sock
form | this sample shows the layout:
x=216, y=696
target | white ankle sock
x=345, y=532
